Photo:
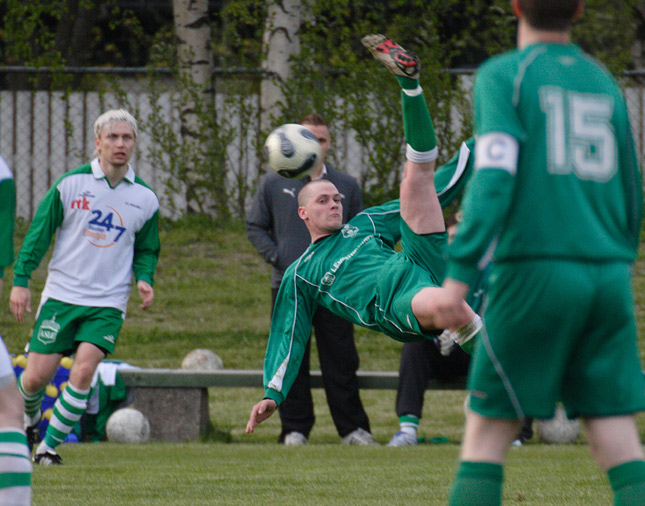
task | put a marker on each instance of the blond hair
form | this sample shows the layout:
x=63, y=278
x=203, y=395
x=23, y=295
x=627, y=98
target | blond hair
x=114, y=116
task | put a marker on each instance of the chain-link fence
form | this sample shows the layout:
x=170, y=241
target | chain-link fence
x=45, y=133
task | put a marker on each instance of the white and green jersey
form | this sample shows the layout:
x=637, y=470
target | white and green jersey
x=556, y=174
x=103, y=236
x=7, y=215
x=356, y=274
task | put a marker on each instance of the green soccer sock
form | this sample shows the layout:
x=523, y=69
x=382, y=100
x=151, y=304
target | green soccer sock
x=628, y=483
x=32, y=401
x=68, y=409
x=477, y=483
x=15, y=467
x=407, y=83
x=418, y=127
x=409, y=424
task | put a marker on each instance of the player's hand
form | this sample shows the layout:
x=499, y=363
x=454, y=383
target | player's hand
x=146, y=293
x=446, y=343
x=260, y=412
x=19, y=302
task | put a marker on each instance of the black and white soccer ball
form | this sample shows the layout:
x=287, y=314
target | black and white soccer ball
x=559, y=429
x=292, y=150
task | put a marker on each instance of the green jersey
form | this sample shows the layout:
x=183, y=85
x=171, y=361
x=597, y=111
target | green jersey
x=357, y=274
x=556, y=173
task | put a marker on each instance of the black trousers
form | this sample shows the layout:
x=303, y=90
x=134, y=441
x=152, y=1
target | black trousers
x=421, y=361
x=338, y=364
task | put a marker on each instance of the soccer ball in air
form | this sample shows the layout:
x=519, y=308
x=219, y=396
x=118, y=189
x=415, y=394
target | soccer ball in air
x=559, y=429
x=293, y=150
x=127, y=425
x=202, y=360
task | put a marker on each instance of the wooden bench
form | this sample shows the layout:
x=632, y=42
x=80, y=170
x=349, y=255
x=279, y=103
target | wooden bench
x=175, y=401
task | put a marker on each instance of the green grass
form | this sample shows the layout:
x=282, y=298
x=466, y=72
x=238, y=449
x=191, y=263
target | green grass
x=212, y=291
x=239, y=474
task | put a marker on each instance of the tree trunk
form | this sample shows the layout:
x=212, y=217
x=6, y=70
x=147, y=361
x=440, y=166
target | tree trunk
x=74, y=31
x=194, y=56
x=280, y=42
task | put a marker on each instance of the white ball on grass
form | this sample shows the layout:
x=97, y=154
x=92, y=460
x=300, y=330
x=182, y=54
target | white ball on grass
x=202, y=360
x=127, y=425
x=559, y=429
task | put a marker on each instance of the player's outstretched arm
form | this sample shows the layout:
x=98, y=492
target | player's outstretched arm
x=260, y=412
x=19, y=302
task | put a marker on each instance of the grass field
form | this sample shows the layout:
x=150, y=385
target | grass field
x=329, y=474
x=212, y=291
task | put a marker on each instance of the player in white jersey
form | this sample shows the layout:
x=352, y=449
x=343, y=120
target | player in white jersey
x=15, y=466
x=105, y=220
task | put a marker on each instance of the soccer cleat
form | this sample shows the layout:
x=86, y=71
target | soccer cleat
x=403, y=439
x=33, y=436
x=294, y=439
x=359, y=437
x=526, y=432
x=48, y=458
x=397, y=60
x=32, y=431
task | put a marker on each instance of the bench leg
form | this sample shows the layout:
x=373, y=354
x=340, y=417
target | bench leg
x=175, y=414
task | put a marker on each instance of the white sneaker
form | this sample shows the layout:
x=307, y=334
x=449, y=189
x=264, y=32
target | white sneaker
x=403, y=439
x=359, y=437
x=294, y=439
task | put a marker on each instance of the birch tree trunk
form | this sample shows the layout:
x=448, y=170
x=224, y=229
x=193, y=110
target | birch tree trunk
x=194, y=56
x=280, y=42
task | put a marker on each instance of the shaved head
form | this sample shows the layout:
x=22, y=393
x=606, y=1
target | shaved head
x=309, y=190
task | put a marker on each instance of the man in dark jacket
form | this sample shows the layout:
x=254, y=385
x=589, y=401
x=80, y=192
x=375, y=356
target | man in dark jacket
x=280, y=236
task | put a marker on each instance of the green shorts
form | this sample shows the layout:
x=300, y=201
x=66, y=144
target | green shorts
x=421, y=264
x=558, y=331
x=60, y=327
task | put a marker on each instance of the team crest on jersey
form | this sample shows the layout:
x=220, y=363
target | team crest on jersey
x=328, y=279
x=349, y=231
x=48, y=331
